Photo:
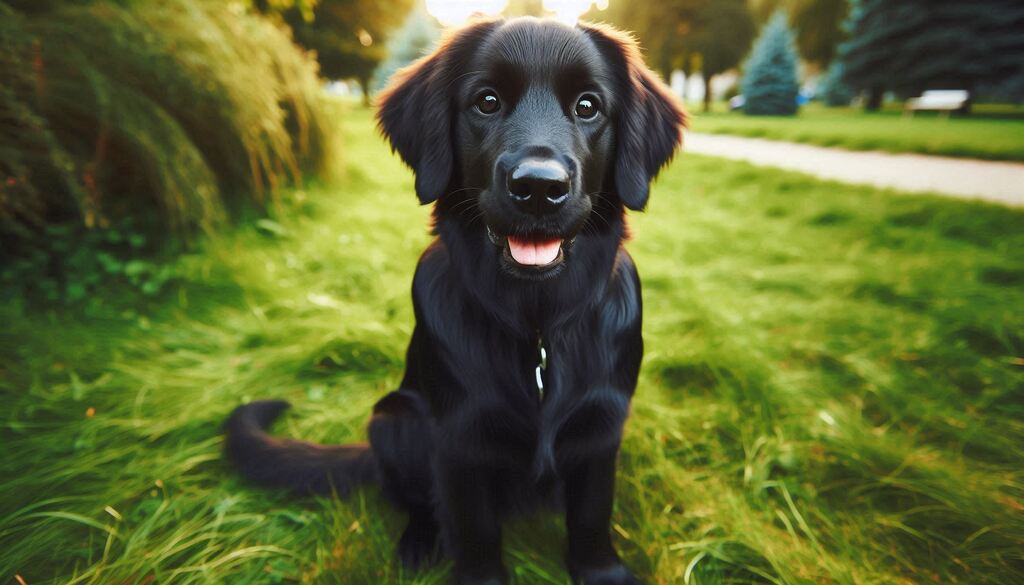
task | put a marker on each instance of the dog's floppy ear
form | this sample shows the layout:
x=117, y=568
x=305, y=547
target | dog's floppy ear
x=415, y=110
x=650, y=120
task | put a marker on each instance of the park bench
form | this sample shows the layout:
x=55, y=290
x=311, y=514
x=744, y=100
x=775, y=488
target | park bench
x=938, y=100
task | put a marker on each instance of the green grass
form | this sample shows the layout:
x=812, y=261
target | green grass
x=833, y=393
x=992, y=132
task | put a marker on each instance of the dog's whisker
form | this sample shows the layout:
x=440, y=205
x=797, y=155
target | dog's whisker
x=466, y=203
x=465, y=189
x=476, y=217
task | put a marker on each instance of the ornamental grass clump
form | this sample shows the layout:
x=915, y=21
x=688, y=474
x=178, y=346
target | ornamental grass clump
x=170, y=113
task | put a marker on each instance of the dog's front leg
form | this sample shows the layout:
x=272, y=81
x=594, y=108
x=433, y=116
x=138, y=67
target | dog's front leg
x=472, y=528
x=589, y=493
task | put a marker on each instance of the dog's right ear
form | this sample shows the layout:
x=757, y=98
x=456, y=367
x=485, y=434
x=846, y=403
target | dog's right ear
x=415, y=110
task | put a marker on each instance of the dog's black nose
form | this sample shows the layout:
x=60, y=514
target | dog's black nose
x=539, y=185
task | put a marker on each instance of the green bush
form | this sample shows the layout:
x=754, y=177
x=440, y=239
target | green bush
x=171, y=113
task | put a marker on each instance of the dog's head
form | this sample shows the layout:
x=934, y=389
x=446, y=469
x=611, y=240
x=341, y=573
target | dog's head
x=526, y=125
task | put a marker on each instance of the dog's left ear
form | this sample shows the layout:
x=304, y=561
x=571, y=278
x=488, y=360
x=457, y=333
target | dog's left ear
x=415, y=110
x=650, y=120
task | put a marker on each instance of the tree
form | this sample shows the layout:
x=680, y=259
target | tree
x=415, y=39
x=763, y=10
x=874, y=29
x=908, y=46
x=663, y=28
x=1003, y=26
x=770, y=83
x=833, y=89
x=819, y=29
x=348, y=36
x=818, y=24
x=724, y=32
x=711, y=36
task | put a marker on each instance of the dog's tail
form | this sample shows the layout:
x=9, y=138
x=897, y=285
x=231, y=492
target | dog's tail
x=295, y=465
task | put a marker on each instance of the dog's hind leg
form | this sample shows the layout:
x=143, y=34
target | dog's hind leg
x=402, y=443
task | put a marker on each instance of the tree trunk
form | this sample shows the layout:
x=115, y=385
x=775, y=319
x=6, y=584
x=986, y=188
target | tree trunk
x=364, y=85
x=686, y=85
x=707, y=92
x=665, y=66
x=874, y=101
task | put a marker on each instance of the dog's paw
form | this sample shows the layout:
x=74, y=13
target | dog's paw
x=616, y=574
x=418, y=548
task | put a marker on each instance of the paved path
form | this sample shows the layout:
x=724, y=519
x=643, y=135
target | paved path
x=1001, y=182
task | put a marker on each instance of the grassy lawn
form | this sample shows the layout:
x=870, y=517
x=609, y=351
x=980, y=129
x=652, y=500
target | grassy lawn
x=833, y=392
x=995, y=133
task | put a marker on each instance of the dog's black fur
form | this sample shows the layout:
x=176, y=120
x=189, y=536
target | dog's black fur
x=468, y=437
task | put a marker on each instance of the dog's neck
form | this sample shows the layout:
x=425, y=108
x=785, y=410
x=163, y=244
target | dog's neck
x=538, y=305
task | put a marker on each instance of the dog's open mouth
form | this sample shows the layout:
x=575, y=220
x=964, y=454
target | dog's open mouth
x=534, y=253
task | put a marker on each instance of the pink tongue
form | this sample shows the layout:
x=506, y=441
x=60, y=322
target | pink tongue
x=532, y=252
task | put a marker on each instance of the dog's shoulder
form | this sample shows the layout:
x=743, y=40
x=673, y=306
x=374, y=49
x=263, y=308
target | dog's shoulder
x=431, y=280
x=622, y=306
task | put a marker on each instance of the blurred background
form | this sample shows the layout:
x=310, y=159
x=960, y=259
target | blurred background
x=196, y=210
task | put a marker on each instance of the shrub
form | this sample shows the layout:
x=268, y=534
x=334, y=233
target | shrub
x=172, y=113
x=770, y=83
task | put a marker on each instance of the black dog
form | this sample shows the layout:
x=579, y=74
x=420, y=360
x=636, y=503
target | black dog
x=532, y=137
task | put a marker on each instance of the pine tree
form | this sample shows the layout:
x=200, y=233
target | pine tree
x=833, y=89
x=770, y=83
x=817, y=24
x=909, y=46
x=1003, y=26
x=410, y=42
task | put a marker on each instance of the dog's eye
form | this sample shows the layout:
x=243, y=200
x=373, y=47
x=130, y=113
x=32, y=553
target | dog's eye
x=586, y=107
x=487, y=102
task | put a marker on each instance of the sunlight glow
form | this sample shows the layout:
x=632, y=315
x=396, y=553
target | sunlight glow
x=569, y=11
x=451, y=12
x=455, y=11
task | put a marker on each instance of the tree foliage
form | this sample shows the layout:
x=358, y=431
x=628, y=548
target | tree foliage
x=279, y=7
x=348, y=36
x=819, y=29
x=710, y=36
x=818, y=24
x=833, y=89
x=722, y=37
x=663, y=28
x=414, y=39
x=770, y=82
x=908, y=46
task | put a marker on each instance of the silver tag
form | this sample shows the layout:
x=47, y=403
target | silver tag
x=541, y=367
